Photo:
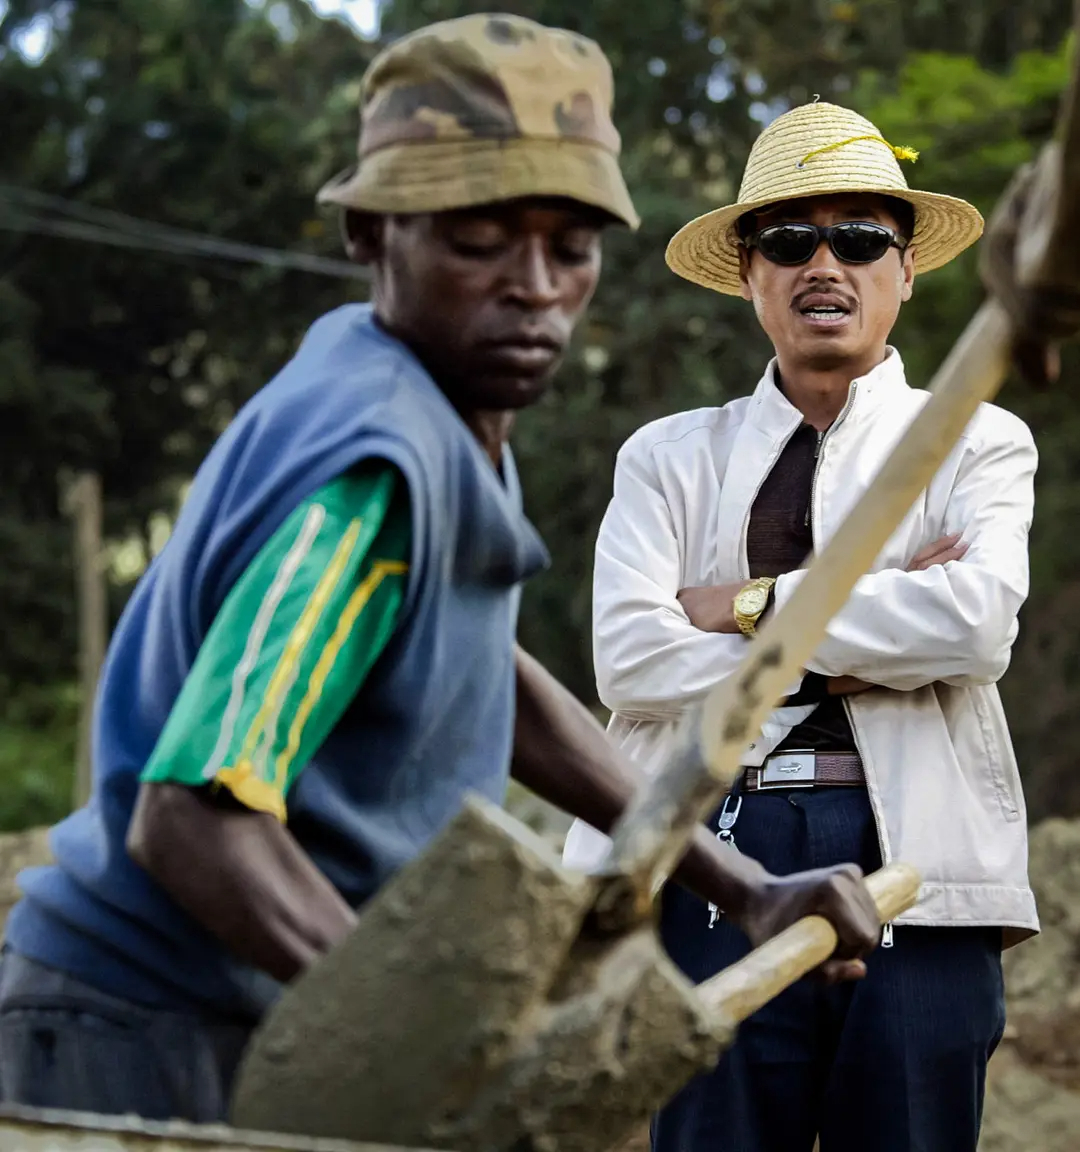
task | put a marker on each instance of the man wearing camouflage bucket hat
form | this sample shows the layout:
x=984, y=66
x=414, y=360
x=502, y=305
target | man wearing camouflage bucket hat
x=894, y=744
x=322, y=660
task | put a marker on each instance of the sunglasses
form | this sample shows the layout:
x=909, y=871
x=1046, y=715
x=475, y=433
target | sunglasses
x=857, y=242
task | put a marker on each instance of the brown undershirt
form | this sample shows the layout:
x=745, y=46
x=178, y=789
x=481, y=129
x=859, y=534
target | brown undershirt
x=778, y=540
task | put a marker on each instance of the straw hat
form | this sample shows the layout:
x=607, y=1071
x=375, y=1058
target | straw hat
x=815, y=150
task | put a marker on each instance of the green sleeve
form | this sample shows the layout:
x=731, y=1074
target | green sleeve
x=293, y=643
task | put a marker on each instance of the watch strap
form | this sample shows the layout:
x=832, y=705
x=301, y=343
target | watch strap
x=747, y=623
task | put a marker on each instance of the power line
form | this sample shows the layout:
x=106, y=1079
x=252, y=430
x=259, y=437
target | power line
x=226, y=250
x=103, y=226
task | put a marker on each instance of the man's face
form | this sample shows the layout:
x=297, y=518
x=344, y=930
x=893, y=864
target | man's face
x=486, y=297
x=860, y=301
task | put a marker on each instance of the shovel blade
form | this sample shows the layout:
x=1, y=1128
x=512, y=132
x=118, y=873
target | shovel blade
x=397, y=1028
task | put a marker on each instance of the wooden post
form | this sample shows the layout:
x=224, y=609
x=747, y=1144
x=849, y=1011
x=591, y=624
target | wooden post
x=84, y=506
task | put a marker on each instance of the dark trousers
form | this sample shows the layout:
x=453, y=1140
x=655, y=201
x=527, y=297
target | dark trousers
x=893, y=1063
x=63, y=1044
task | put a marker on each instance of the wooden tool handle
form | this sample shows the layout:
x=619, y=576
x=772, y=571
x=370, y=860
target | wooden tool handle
x=739, y=991
x=894, y=889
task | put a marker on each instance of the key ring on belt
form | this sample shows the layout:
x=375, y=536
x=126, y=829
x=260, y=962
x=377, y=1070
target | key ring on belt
x=724, y=834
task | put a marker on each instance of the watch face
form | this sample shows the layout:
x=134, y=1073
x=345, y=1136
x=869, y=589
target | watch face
x=752, y=601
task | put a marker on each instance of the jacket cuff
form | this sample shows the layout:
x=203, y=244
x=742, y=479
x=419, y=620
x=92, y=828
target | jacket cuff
x=785, y=586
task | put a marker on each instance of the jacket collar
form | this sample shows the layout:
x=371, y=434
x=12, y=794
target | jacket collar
x=773, y=413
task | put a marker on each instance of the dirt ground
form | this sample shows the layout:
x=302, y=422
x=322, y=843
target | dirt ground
x=18, y=850
x=1033, y=1098
x=1033, y=1095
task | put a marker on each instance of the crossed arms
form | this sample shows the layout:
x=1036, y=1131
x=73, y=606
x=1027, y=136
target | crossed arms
x=949, y=615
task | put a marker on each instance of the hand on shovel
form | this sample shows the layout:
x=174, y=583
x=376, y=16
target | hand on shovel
x=838, y=894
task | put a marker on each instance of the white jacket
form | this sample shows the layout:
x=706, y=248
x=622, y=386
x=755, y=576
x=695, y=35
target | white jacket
x=941, y=773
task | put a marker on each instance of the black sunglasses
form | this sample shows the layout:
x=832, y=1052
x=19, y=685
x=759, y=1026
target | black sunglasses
x=857, y=242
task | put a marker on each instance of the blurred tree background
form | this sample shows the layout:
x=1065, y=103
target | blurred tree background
x=223, y=116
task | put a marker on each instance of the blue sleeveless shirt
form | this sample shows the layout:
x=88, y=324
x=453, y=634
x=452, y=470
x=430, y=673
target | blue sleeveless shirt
x=434, y=720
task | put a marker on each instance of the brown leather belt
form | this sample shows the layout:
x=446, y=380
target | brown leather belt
x=805, y=769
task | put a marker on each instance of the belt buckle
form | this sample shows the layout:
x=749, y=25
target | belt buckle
x=794, y=769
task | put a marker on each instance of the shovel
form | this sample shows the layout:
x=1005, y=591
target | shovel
x=477, y=1005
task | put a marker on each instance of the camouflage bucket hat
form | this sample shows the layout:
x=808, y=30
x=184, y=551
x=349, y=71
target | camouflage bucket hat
x=481, y=109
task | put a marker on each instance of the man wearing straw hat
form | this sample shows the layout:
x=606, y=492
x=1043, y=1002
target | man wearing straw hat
x=322, y=661
x=894, y=744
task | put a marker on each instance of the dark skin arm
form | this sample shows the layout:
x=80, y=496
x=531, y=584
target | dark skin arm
x=249, y=883
x=252, y=886
x=563, y=754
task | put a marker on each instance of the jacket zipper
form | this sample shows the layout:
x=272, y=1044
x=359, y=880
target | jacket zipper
x=813, y=480
x=887, y=929
x=883, y=852
x=727, y=820
x=819, y=449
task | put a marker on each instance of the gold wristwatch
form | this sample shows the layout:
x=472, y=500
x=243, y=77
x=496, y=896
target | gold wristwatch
x=751, y=602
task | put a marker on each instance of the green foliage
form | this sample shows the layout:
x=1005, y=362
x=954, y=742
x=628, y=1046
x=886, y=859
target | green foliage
x=973, y=128
x=37, y=756
x=201, y=115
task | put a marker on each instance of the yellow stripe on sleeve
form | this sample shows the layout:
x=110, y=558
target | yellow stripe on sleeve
x=299, y=638
x=349, y=615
